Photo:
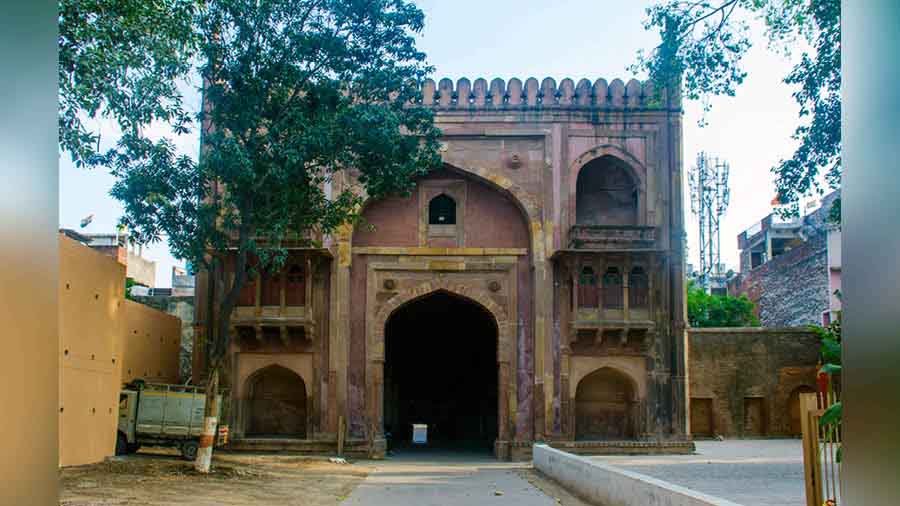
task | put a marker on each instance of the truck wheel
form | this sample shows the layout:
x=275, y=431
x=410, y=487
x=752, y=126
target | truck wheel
x=189, y=450
x=121, y=444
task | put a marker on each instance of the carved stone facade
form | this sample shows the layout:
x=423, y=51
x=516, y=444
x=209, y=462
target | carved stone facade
x=557, y=213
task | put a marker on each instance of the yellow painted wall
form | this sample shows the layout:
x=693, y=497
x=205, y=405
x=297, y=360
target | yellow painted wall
x=151, y=342
x=97, y=347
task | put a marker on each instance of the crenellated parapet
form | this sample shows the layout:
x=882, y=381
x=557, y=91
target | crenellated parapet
x=513, y=94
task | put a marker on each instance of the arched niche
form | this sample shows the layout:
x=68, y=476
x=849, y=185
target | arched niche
x=606, y=406
x=607, y=192
x=276, y=403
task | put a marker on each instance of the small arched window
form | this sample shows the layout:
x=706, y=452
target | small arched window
x=295, y=291
x=612, y=289
x=638, y=288
x=442, y=210
x=587, y=288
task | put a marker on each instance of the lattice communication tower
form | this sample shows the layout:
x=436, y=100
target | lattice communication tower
x=708, y=181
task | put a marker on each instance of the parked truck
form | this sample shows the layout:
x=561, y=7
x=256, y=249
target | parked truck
x=156, y=414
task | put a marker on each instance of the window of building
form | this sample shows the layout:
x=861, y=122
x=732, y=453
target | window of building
x=757, y=258
x=613, y=289
x=606, y=194
x=271, y=289
x=295, y=289
x=587, y=288
x=442, y=210
x=638, y=288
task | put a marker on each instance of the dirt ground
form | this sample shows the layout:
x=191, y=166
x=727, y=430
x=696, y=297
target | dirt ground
x=160, y=477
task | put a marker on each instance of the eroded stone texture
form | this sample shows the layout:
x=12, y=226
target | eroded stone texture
x=785, y=269
x=744, y=381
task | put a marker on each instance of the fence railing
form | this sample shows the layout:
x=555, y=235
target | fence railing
x=821, y=447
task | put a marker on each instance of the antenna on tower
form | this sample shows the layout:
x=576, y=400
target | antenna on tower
x=710, y=195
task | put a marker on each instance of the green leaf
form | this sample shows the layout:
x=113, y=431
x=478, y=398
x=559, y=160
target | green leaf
x=832, y=415
x=830, y=369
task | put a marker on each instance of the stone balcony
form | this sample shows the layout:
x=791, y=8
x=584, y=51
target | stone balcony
x=612, y=237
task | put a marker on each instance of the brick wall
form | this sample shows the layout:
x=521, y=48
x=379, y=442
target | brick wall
x=790, y=289
x=737, y=374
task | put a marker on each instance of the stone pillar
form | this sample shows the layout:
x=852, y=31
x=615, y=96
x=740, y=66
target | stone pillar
x=678, y=315
x=339, y=327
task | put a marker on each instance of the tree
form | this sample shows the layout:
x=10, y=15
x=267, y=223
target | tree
x=123, y=60
x=295, y=92
x=706, y=310
x=702, y=45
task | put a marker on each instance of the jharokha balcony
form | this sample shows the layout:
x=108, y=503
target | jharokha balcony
x=612, y=237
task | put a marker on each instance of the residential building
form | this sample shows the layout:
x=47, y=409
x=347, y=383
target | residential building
x=791, y=269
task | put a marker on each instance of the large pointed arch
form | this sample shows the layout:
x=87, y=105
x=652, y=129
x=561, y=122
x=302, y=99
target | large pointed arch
x=528, y=205
x=506, y=337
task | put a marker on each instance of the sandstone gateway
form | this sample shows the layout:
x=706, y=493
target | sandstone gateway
x=529, y=289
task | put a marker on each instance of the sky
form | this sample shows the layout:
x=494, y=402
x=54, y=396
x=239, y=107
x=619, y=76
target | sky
x=525, y=38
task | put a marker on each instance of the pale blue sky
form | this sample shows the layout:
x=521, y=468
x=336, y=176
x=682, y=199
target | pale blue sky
x=577, y=39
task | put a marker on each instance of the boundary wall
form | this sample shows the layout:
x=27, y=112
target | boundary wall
x=104, y=341
x=605, y=485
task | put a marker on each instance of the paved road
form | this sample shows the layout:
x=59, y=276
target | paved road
x=760, y=472
x=446, y=479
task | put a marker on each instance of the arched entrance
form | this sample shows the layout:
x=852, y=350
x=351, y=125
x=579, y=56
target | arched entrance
x=276, y=403
x=605, y=406
x=440, y=368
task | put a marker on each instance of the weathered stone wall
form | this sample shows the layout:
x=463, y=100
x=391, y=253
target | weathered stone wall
x=790, y=289
x=512, y=154
x=737, y=370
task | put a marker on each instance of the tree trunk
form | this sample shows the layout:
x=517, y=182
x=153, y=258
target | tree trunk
x=218, y=350
x=210, y=421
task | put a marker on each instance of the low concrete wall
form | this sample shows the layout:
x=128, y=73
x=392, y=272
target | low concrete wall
x=609, y=486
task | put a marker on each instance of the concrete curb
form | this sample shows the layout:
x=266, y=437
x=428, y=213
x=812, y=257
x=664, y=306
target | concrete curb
x=605, y=485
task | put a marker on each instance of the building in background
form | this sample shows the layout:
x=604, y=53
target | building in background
x=117, y=245
x=717, y=282
x=792, y=269
x=182, y=282
x=105, y=340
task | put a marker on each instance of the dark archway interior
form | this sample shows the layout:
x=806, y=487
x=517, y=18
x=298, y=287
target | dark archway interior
x=441, y=369
x=606, y=194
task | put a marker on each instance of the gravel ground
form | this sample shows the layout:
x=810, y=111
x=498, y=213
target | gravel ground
x=758, y=472
x=158, y=477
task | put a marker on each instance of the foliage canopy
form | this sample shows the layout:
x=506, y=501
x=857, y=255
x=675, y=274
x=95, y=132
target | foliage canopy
x=706, y=310
x=295, y=92
x=702, y=46
x=122, y=60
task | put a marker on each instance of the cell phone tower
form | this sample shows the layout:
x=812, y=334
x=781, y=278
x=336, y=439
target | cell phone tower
x=708, y=181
